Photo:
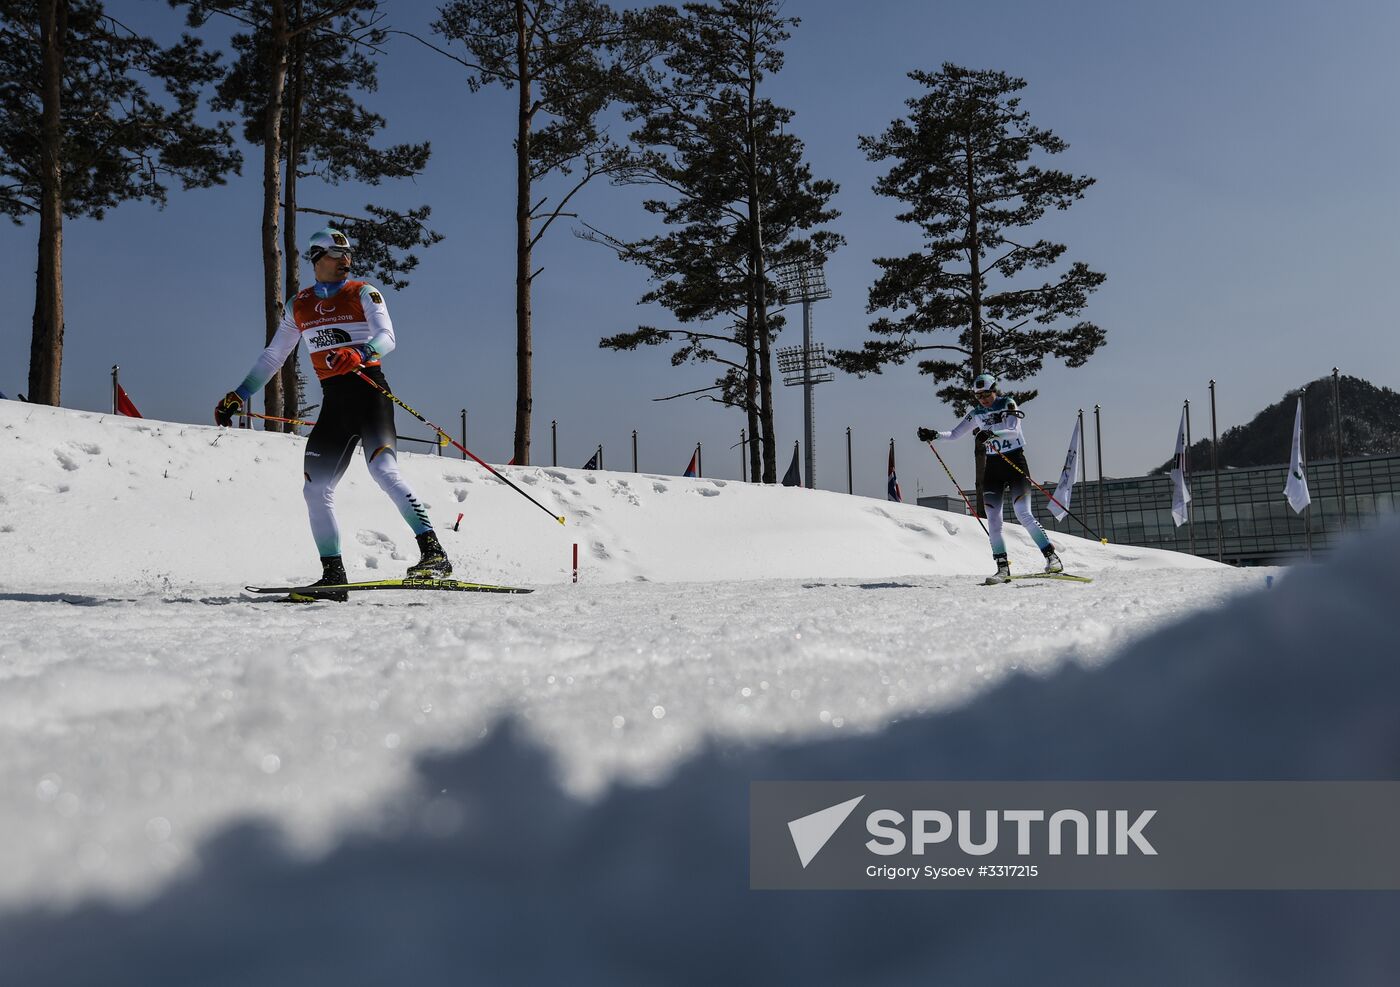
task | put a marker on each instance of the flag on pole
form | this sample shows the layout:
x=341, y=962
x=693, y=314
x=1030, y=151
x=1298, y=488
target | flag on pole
x=892, y=486
x=1065, y=487
x=1296, y=490
x=693, y=469
x=592, y=463
x=793, y=476
x=125, y=405
x=1181, y=490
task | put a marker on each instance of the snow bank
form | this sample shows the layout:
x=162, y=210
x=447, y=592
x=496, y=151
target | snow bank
x=488, y=871
x=100, y=503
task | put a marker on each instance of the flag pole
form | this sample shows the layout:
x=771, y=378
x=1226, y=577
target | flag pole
x=1337, y=422
x=1083, y=464
x=850, y=482
x=1186, y=473
x=1215, y=469
x=1098, y=441
x=1303, y=454
x=115, y=368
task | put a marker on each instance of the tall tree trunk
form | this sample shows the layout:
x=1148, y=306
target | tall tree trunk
x=46, y=340
x=765, y=362
x=273, y=401
x=756, y=273
x=975, y=301
x=751, y=399
x=292, y=283
x=523, y=348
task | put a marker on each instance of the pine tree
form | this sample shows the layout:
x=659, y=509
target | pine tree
x=92, y=135
x=327, y=135
x=567, y=60
x=740, y=201
x=961, y=165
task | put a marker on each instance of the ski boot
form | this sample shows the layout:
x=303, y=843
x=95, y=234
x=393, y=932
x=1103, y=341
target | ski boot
x=332, y=574
x=1052, y=561
x=434, y=564
x=1003, y=571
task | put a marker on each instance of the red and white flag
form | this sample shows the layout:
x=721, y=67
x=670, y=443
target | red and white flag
x=125, y=405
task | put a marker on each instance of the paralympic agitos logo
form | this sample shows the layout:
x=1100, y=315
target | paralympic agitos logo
x=977, y=833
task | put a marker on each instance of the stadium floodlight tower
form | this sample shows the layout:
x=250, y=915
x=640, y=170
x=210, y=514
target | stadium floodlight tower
x=806, y=364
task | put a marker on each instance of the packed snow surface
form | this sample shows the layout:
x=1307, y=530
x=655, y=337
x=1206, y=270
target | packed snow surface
x=197, y=786
x=145, y=700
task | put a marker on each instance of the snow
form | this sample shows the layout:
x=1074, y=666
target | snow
x=405, y=788
x=117, y=505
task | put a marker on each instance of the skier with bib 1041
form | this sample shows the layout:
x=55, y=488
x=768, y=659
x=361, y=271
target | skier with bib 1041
x=345, y=325
x=996, y=422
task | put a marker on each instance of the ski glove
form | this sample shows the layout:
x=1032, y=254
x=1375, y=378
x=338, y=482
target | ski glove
x=982, y=434
x=230, y=405
x=347, y=359
x=927, y=434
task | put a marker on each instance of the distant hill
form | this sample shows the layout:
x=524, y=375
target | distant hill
x=1370, y=427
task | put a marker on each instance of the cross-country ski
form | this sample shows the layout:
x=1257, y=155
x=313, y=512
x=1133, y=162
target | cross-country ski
x=312, y=593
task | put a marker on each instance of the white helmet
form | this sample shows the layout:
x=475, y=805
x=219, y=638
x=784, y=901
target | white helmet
x=327, y=241
x=984, y=382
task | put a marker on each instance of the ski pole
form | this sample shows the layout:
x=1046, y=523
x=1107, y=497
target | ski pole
x=970, y=509
x=489, y=468
x=1047, y=493
x=274, y=418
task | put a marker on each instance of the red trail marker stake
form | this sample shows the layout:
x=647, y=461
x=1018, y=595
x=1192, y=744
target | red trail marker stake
x=575, y=561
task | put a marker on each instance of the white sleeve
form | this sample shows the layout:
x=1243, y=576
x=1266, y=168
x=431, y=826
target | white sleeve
x=959, y=430
x=381, y=327
x=271, y=359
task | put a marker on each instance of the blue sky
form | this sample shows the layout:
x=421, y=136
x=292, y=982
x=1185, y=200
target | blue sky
x=1245, y=214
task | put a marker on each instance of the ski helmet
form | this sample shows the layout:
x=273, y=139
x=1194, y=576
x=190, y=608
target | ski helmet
x=984, y=382
x=327, y=241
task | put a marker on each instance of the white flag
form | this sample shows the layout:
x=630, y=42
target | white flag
x=1066, y=484
x=1296, y=489
x=1181, y=492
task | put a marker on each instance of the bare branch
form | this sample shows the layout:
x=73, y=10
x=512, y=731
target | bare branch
x=447, y=54
x=686, y=394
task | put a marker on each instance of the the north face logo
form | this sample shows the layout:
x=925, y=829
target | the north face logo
x=329, y=336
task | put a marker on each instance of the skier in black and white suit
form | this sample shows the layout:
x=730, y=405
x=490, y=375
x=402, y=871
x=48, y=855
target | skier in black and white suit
x=996, y=422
